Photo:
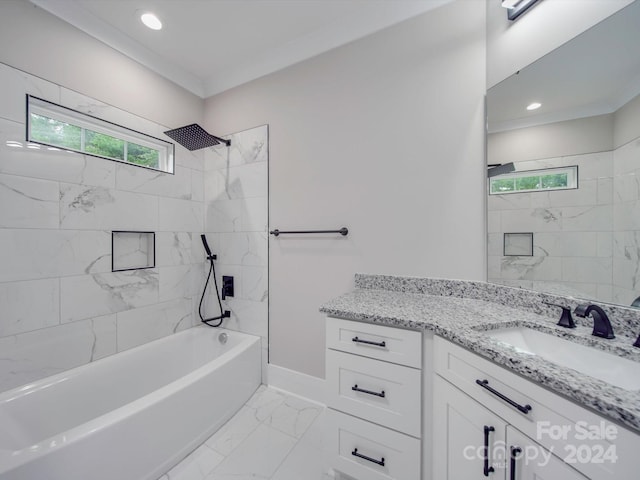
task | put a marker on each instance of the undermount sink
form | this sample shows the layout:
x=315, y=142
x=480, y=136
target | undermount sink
x=595, y=363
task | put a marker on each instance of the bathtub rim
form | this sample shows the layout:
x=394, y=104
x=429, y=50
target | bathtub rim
x=10, y=459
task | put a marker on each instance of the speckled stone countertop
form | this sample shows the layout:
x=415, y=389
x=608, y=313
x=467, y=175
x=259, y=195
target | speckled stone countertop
x=442, y=307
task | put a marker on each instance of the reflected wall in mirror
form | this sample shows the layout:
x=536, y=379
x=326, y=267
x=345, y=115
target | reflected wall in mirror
x=586, y=240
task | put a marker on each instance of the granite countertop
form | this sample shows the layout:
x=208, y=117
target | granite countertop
x=465, y=322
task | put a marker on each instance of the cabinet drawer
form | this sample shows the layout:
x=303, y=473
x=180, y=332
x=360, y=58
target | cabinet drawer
x=367, y=451
x=464, y=369
x=375, y=341
x=381, y=392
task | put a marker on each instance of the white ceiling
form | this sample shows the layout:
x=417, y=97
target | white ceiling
x=595, y=73
x=208, y=46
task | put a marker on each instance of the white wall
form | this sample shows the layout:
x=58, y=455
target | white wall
x=571, y=137
x=384, y=136
x=45, y=46
x=627, y=123
x=514, y=45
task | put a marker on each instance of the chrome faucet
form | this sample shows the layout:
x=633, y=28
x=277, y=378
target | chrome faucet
x=601, y=323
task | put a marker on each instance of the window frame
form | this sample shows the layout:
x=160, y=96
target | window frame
x=570, y=170
x=84, y=121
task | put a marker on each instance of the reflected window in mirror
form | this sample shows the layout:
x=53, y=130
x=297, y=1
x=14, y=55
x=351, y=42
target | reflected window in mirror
x=535, y=180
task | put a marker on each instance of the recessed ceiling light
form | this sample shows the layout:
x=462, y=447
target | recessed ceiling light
x=534, y=106
x=151, y=21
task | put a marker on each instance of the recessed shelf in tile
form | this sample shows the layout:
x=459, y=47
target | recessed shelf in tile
x=133, y=250
x=518, y=244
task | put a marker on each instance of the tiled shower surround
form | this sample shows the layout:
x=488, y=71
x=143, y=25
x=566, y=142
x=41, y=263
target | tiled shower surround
x=236, y=206
x=586, y=241
x=61, y=305
x=626, y=223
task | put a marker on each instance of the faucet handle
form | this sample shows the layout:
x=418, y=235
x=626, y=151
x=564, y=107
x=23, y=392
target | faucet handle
x=566, y=320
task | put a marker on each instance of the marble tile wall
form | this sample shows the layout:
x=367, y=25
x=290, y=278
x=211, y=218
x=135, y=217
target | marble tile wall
x=582, y=219
x=626, y=220
x=236, y=222
x=61, y=306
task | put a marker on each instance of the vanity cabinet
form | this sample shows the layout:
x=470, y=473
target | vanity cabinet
x=482, y=412
x=473, y=442
x=374, y=379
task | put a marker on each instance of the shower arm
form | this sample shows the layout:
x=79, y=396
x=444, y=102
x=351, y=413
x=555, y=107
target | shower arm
x=222, y=140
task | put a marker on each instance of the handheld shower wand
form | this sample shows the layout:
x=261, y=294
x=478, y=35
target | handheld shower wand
x=206, y=248
x=223, y=313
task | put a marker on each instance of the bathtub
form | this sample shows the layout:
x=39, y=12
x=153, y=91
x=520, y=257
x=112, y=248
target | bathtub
x=130, y=416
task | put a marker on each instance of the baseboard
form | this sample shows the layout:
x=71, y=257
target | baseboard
x=301, y=384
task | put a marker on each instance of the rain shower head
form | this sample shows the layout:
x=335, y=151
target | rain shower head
x=194, y=137
x=500, y=169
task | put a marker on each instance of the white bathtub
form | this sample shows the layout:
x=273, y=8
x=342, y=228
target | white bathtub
x=130, y=416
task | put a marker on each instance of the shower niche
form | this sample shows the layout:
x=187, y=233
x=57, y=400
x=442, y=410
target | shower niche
x=132, y=250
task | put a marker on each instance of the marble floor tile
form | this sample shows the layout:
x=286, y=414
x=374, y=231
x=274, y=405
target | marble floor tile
x=307, y=459
x=259, y=456
x=265, y=401
x=274, y=436
x=196, y=466
x=293, y=416
x=234, y=432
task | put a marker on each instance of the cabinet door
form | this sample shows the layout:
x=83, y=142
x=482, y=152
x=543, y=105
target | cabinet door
x=529, y=460
x=468, y=439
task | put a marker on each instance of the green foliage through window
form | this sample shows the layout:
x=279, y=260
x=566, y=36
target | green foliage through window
x=535, y=180
x=140, y=155
x=56, y=133
x=56, y=126
x=103, y=145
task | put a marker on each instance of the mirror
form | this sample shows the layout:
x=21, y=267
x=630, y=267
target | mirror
x=545, y=233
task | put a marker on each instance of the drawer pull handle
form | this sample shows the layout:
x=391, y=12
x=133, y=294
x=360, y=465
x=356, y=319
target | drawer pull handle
x=356, y=389
x=369, y=342
x=373, y=460
x=515, y=451
x=487, y=469
x=485, y=384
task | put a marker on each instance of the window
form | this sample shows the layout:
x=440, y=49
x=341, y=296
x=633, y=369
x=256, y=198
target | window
x=535, y=181
x=56, y=126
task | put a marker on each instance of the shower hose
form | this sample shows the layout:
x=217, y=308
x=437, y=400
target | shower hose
x=223, y=313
